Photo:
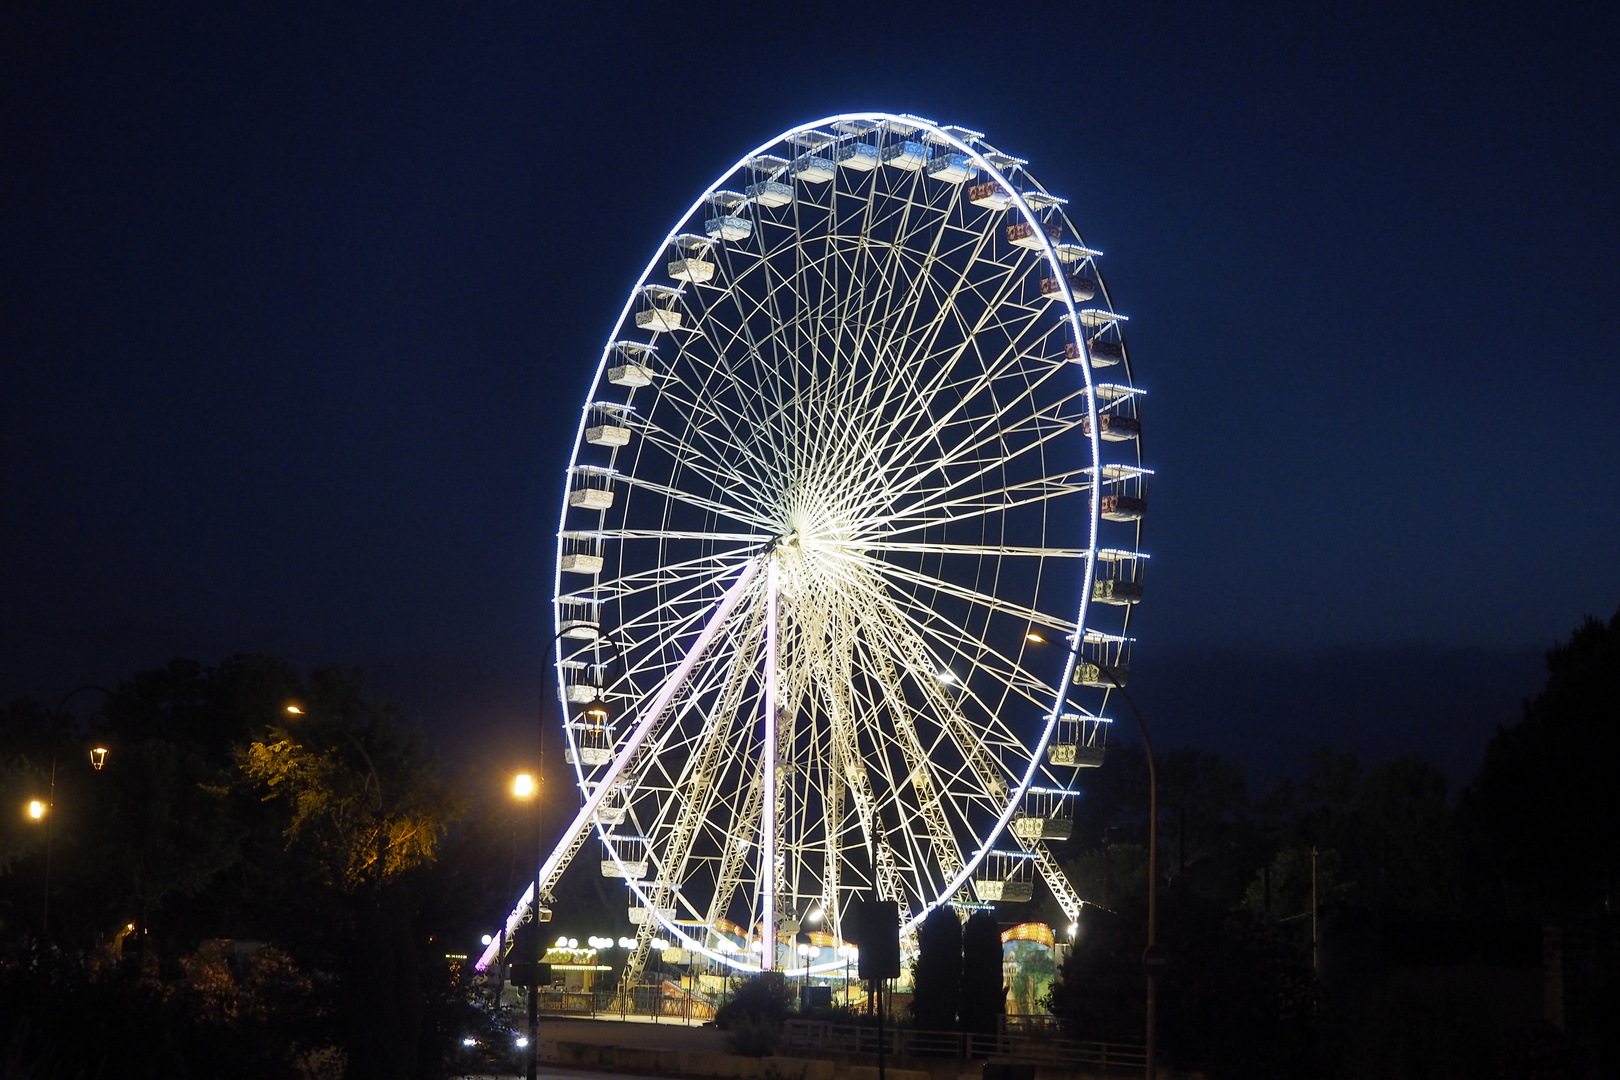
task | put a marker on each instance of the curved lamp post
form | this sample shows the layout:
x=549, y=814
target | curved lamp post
x=46, y=811
x=1153, y=875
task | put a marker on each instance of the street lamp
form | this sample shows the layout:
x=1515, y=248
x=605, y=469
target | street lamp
x=43, y=812
x=1153, y=957
x=527, y=786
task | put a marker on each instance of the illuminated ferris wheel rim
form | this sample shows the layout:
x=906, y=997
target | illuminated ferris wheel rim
x=1000, y=173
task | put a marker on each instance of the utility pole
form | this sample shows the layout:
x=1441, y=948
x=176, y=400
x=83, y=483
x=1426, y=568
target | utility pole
x=1316, y=967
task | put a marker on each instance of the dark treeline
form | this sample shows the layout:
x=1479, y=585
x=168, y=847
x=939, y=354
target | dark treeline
x=1364, y=921
x=251, y=892
x=241, y=890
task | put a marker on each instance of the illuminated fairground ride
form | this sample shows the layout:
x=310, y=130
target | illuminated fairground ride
x=849, y=547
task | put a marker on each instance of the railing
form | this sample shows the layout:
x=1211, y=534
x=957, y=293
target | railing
x=1026, y=1040
x=567, y=1002
x=665, y=1000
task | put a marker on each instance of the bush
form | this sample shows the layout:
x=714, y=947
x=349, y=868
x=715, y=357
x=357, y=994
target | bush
x=753, y=1017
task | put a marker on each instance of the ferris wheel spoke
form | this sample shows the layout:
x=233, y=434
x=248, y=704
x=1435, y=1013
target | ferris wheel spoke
x=973, y=550
x=721, y=472
x=971, y=741
x=929, y=512
x=994, y=318
x=1031, y=431
x=1024, y=613
x=892, y=614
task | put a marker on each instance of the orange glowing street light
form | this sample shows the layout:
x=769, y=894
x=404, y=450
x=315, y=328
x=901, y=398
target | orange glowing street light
x=523, y=785
x=36, y=809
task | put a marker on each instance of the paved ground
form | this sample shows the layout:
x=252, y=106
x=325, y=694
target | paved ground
x=551, y=1072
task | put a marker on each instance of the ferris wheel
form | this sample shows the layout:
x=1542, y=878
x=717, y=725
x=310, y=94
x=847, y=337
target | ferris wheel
x=849, y=547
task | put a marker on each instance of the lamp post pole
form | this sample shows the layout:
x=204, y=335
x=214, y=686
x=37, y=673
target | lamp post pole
x=50, y=804
x=1153, y=876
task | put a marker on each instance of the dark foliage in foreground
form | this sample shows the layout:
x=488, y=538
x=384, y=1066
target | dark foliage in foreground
x=752, y=1019
x=936, y=977
x=1435, y=922
x=241, y=891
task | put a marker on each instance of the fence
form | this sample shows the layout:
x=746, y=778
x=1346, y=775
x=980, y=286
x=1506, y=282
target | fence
x=1035, y=1040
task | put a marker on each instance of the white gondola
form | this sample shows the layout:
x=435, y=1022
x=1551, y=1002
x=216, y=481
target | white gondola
x=582, y=563
x=631, y=869
x=1111, y=392
x=770, y=193
x=1083, y=287
x=814, y=168
x=767, y=163
x=1004, y=162
x=990, y=195
x=1041, y=200
x=631, y=364
x=729, y=227
x=593, y=739
x=1044, y=816
x=1103, y=353
x=695, y=271
x=860, y=156
x=953, y=168
x=658, y=320
x=581, y=685
x=1072, y=253
x=1078, y=741
x=627, y=857
x=1005, y=877
x=607, y=434
x=578, y=618
x=610, y=815
x=639, y=915
x=632, y=375
x=1113, y=427
x=1119, y=575
x=1075, y=754
x=691, y=262
x=1026, y=827
x=1123, y=507
x=967, y=135
x=1095, y=317
x=591, y=487
x=906, y=154
x=1023, y=234
x=662, y=313
x=1104, y=661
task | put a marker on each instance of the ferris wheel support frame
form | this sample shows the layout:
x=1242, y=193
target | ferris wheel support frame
x=557, y=861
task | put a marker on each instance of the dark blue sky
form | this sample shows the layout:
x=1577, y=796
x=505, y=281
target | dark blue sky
x=299, y=305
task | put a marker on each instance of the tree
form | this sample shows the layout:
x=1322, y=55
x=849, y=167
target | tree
x=984, y=994
x=936, y=976
x=1540, y=814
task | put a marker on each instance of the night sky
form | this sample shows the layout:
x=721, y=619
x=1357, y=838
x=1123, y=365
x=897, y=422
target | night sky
x=300, y=304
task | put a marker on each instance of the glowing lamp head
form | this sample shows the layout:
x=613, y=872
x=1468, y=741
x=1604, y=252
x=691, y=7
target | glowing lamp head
x=294, y=710
x=485, y=940
x=1035, y=639
x=36, y=809
x=98, y=758
x=815, y=915
x=523, y=785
